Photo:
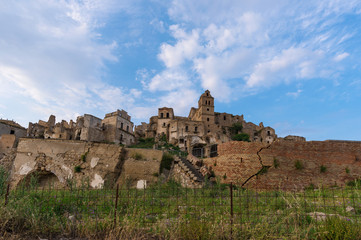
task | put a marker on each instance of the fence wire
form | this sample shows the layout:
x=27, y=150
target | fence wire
x=225, y=205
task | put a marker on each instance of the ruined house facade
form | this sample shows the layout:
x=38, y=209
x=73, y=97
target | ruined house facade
x=203, y=129
x=116, y=127
x=10, y=132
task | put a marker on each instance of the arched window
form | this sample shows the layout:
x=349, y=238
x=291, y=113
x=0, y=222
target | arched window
x=167, y=115
x=161, y=115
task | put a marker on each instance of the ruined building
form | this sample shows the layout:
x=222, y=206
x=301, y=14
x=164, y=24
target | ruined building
x=116, y=127
x=10, y=132
x=203, y=129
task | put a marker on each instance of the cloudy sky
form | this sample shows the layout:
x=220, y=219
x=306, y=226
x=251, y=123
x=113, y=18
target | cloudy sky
x=293, y=65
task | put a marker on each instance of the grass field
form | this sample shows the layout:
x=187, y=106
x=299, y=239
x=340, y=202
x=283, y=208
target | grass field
x=168, y=211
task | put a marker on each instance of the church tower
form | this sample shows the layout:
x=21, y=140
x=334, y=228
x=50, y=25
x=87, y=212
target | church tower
x=205, y=111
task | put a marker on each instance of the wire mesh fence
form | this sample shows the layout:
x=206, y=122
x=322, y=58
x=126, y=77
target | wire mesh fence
x=234, y=209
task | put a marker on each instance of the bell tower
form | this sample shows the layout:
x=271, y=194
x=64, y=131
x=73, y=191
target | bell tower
x=206, y=109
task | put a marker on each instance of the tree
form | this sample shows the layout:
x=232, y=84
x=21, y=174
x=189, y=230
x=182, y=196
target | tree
x=241, y=137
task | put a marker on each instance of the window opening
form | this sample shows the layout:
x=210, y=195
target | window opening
x=12, y=132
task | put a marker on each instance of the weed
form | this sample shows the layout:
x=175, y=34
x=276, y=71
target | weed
x=3, y=180
x=276, y=164
x=347, y=170
x=77, y=169
x=299, y=165
x=83, y=157
x=137, y=156
x=323, y=169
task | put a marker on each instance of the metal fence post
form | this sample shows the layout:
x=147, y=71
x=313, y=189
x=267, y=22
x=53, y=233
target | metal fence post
x=7, y=194
x=231, y=193
x=116, y=205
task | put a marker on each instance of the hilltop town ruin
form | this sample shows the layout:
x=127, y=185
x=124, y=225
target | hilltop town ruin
x=103, y=152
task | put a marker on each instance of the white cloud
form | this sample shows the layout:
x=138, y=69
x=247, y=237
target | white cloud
x=341, y=57
x=294, y=94
x=186, y=48
x=169, y=80
x=181, y=100
x=245, y=46
x=53, y=55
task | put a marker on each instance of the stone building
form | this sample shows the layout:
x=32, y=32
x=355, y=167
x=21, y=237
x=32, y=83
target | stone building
x=12, y=128
x=10, y=132
x=116, y=127
x=203, y=129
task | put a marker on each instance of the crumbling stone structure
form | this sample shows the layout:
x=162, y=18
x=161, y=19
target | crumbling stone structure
x=10, y=132
x=116, y=127
x=203, y=129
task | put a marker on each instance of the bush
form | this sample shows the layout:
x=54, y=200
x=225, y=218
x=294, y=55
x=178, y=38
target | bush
x=299, y=165
x=323, y=169
x=347, y=170
x=276, y=164
x=241, y=137
x=236, y=128
x=77, y=169
x=137, y=156
x=144, y=143
x=83, y=157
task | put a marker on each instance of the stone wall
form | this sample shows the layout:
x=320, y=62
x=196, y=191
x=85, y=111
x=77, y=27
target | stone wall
x=71, y=162
x=140, y=164
x=318, y=163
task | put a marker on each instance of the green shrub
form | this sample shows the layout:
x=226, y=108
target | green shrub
x=241, y=137
x=166, y=162
x=276, y=164
x=323, y=169
x=137, y=156
x=83, y=156
x=236, y=128
x=347, y=170
x=299, y=165
x=337, y=228
x=3, y=180
x=144, y=143
x=263, y=170
x=225, y=176
x=77, y=169
x=354, y=183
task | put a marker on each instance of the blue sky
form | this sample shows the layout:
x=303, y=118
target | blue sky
x=293, y=65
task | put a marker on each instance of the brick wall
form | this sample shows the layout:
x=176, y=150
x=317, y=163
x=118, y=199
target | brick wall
x=238, y=161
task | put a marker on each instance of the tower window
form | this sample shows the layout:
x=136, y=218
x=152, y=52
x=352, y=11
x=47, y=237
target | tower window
x=167, y=115
x=268, y=133
x=207, y=119
x=12, y=132
x=127, y=128
x=207, y=95
x=209, y=102
x=224, y=117
x=208, y=109
x=163, y=124
x=195, y=129
x=186, y=128
x=161, y=115
x=121, y=125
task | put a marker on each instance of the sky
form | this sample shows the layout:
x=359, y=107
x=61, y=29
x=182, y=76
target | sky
x=293, y=65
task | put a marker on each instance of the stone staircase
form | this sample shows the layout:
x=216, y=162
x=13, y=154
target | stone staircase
x=190, y=170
